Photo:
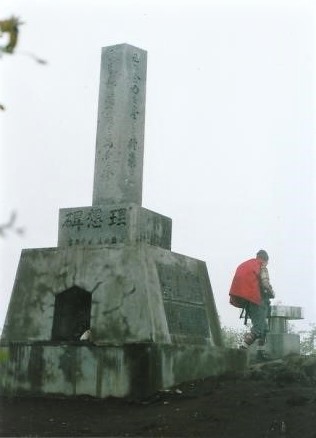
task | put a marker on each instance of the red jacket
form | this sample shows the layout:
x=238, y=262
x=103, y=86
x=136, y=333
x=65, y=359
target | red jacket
x=246, y=283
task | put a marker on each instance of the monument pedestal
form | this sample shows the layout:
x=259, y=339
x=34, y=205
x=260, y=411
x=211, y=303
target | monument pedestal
x=123, y=293
x=151, y=312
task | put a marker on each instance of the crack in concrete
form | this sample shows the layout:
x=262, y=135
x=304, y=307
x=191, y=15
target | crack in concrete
x=125, y=295
x=96, y=286
x=74, y=275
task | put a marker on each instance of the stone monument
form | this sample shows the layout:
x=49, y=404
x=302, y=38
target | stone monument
x=151, y=311
x=280, y=342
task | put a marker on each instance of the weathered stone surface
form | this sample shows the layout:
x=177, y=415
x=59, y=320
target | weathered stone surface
x=282, y=344
x=132, y=371
x=120, y=131
x=102, y=225
x=128, y=304
x=288, y=312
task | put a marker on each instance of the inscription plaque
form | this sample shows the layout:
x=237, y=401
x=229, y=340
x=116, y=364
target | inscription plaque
x=180, y=284
x=183, y=302
x=113, y=224
x=186, y=319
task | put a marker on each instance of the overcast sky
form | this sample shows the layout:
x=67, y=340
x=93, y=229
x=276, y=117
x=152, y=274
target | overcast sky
x=229, y=147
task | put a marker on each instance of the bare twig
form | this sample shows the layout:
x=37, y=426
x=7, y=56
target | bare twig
x=10, y=226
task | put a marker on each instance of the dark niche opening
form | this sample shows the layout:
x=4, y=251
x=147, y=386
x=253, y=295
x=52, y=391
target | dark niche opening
x=71, y=314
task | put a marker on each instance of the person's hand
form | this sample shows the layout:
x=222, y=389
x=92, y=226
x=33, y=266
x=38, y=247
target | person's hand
x=269, y=293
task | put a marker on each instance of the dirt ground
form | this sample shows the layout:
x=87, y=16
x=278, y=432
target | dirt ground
x=274, y=399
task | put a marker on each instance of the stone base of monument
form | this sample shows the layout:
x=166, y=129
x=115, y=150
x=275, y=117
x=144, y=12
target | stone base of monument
x=131, y=371
x=151, y=312
x=135, y=293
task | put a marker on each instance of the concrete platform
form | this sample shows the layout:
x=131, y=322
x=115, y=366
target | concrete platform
x=131, y=371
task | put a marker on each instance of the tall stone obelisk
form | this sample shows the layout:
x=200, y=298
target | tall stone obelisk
x=116, y=215
x=121, y=123
x=151, y=311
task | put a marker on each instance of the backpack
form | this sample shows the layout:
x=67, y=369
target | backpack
x=242, y=304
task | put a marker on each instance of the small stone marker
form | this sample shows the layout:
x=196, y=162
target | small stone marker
x=280, y=342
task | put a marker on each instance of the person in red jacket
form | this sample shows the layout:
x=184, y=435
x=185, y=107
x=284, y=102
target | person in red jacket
x=252, y=291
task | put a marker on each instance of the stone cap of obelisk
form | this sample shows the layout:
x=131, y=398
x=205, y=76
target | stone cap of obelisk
x=118, y=171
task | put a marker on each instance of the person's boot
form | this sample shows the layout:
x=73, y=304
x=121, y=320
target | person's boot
x=249, y=338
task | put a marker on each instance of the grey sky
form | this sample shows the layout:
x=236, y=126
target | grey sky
x=229, y=147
